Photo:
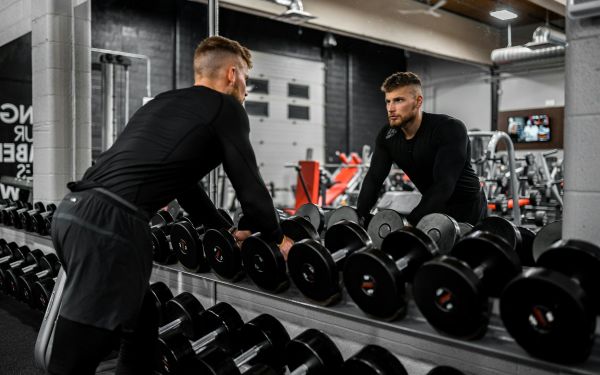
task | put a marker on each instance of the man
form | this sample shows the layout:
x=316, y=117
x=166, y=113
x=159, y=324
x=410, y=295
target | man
x=100, y=230
x=433, y=150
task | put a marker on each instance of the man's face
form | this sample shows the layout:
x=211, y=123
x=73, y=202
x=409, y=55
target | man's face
x=402, y=105
x=239, y=83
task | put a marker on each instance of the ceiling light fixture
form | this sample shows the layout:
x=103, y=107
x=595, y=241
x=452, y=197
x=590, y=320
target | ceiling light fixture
x=504, y=14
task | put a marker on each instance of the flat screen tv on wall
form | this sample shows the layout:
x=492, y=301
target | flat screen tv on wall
x=529, y=129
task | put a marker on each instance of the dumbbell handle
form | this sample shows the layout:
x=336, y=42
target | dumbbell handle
x=5, y=259
x=301, y=370
x=43, y=273
x=482, y=267
x=28, y=268
x=170, y=326
x=16, y=263
x=202, y=342
x=339, y=255
x=247, y=356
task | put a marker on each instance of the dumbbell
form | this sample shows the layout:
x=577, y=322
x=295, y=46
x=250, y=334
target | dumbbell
x=313, y=353
x=5, y=213
x=538, y=218
x=160, y=228
x=20, y=256
x=42, y=221
x=347, y=213
x=465, y=228
x=25, y=217
x=6, y=269
x=315, y=267
x=314, y=214
x=383, y=223
x=45, y=263
x=187, y=240
x=376, y=279
x=443, y=229
x=546, y=237
x=25, y=282
x=159, y=293
x=262, y=340
x=444, y=370
x=41, y=292
x=15, y=215
x=216, y=326
x=181, y=315
x=262, y=260
x=452, y=292
x=6, y=248
x=551, y=310
x=525, y=251
x=3, y=249
x=373, y=360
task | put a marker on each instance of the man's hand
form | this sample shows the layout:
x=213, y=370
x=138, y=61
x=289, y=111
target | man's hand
x=285, y=246
x=240, y=236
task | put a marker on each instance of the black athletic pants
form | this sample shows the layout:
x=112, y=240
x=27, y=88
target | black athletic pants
x=83, y=347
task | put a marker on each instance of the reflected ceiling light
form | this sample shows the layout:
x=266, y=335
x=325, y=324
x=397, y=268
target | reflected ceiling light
x=504, y=14
x=295, y=12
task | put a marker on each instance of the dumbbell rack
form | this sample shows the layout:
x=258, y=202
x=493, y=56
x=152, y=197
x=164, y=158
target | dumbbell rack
x=412, y=339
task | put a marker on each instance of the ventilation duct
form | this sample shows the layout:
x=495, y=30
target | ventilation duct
x=547, y=43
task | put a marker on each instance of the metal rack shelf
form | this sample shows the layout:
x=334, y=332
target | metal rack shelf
x=412, y=339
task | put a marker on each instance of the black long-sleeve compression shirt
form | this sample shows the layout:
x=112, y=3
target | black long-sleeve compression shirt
x=172, y=142
x=437, y=160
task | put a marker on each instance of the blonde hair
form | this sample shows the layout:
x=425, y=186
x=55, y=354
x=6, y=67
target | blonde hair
x=213, y=51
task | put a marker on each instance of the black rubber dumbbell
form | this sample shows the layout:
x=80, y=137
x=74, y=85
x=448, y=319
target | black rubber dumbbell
x=546, y=237
x=315, y=267
x=262, y=260
x=187, y=241
x=6, y=248
x=551, y=310
x=42, y=221
x=453, y=292
x=181, y=316
x=443, y=229
x=31, y=259
x=373, y=360
x=262, y=340
x=313, y=353
x=159, y=293
x=525, y=251
x=347, y=213
x=26, y=282
x=383, y=223
x=314, y=214
x=538, y=218
x=6, y=215
x=217, y=325
x=15, y=215
x=376, y=279
x=160, y=229
x=222, y=251
x=45, y=263
x=444, y=370
x=26, y=217
x=41, y=293
x=20, y=257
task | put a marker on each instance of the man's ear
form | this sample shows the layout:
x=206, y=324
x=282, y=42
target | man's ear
x=419, y=100
x=230, y=74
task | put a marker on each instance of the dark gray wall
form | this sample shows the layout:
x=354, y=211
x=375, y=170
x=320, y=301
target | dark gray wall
x=168, y=32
